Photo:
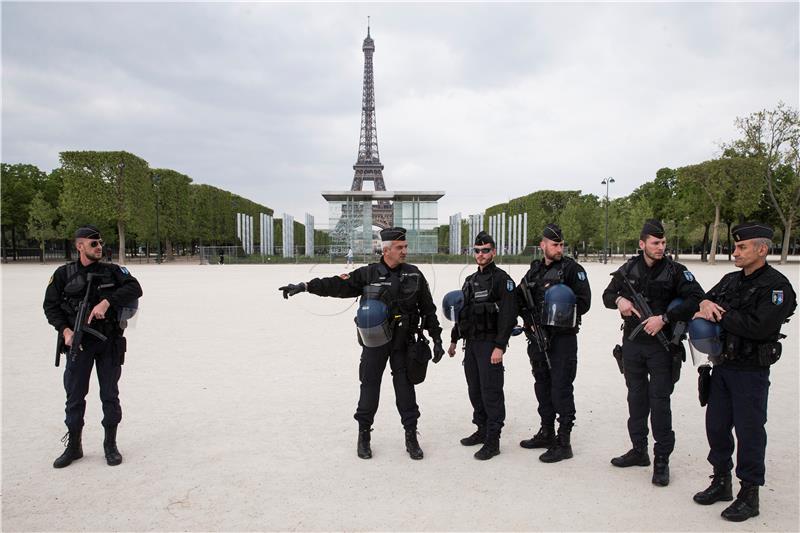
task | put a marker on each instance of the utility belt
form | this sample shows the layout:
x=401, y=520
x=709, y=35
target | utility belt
x=479, y=320
x=746, y=352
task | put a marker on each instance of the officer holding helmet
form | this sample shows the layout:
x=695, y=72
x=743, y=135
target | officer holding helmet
x=558, y=290
x=112, y=293
x=749, y=306
x=648, y=360
x=485, y=319
x=395, y=303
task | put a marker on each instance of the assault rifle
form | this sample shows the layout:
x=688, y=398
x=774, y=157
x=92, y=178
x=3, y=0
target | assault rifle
x=81, y=327
x=644, y=309
x=535, y=333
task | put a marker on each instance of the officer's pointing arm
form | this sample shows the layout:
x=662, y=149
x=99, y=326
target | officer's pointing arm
x=342, y=286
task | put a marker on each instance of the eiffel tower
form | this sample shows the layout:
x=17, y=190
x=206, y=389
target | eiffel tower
x=368, y=167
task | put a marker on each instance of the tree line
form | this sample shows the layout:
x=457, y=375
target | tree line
x=756, y=176
x=132, y=204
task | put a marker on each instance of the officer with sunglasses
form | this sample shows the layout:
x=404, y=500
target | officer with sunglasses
x=111, y=289
x=485, y=323
x=554, y=369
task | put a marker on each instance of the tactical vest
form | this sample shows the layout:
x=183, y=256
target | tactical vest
x=397, y=289
x=738, y=349
x=658, y=291
x=103, y=285
x=478, y=317
x=540, y=279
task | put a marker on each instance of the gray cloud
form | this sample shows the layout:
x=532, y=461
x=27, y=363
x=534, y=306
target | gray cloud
x=486, y=102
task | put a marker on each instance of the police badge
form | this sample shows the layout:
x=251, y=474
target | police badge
x=688, y=275
x=582, y=276
x=777, y=297
x=510, y=285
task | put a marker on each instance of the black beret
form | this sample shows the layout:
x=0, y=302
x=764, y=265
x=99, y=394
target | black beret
x=393, y=234
x=87, y=232
x=484, y=238
x=552, y=232
x=653, y=227
x=751, y=230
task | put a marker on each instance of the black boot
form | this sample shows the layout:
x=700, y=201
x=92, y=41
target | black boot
x=561, y=450
x=745, y=506
x=74, y=451
x=545, y=438
x=661, y=470
x=113, y=457
x=490, y=448
x=719, y=490
x=412, y=444
x=633, y=457
x=476, y=438
x=363, y=449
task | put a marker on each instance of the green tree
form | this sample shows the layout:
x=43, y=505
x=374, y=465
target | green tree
x=173, y=208
x=727, y=183
x=19, y=185
x=771, y=137
x=42, y=221
x=109, y=189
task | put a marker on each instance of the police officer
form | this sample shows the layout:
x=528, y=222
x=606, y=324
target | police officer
x=112, y=290
x=554, y=370
x=750, y=306
x=650, y=368
x=485, y=323
x=404, y=290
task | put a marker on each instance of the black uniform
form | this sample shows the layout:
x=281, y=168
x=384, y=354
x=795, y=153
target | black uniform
x=485, y=322
x=406, y=293
x=553, y=386
x=647, y=365
x=755, y=308
x=64, y=293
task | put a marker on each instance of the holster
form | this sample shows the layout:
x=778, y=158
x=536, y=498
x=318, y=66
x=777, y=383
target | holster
x=678, y=357
x=703, y=384
x=617, y=353
x=417, y=357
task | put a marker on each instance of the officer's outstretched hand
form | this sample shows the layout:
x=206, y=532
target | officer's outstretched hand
x=292, y=289
x=438, y=350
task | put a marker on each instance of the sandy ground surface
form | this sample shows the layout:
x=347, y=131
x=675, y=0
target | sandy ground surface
x=237, y=415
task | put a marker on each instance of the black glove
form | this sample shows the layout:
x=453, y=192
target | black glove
x=438, y=351
x=292, y=289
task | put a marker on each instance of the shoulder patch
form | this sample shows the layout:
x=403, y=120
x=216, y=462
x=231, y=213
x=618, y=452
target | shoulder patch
x=510, y=285
x=688, y=275
x=777, y=297
x=124, y=270
x=344, y=276
x=582, y=275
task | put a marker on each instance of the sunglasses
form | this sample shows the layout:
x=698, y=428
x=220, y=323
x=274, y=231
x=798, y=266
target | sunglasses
x=95, y=244
x=482, y=250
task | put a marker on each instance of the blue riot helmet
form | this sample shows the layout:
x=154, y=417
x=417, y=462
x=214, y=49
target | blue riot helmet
x=559, y=307
x=373, y=323
x=674, y=303
x=126, y=314
x=452, y=303
x=704, y=341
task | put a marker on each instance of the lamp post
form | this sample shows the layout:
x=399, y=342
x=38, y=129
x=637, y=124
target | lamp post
x=606, y=182
x=157, y=183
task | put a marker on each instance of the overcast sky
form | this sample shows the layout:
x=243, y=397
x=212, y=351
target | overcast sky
x=485, y=102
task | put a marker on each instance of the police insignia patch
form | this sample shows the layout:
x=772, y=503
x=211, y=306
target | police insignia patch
x=510, y=285
x=688, y=275
x=124, y=270
x=582, y=276
x=777, y=297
